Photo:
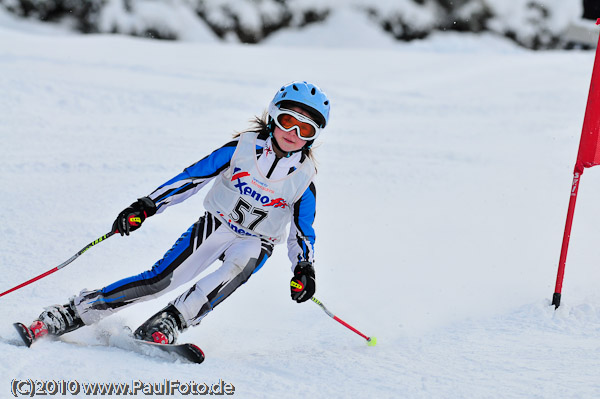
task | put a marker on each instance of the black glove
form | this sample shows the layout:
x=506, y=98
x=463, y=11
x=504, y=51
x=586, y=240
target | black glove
x=303, y=283
x=132, y=217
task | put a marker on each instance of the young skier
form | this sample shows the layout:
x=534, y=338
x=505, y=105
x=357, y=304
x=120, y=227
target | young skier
x=263, y=180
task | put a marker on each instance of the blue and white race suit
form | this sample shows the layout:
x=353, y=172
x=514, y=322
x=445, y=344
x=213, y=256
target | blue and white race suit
x=254, y=196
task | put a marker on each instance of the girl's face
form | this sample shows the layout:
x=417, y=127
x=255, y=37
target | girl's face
x=289, y=141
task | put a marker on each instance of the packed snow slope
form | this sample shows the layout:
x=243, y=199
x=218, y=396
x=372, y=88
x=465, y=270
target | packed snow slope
x=443, y=185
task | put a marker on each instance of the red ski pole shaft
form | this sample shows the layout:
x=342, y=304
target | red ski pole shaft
x=57, y=268
x=370, y=340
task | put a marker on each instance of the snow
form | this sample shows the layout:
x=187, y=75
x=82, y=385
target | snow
x=343, y=28
x=542, y=24
x=174, y=18
x=443, y=186
x=532, y=21
x=30, y=26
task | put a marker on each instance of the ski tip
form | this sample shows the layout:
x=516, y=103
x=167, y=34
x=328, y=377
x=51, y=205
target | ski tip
x=198, y=352
x=24, y=333
x=190, y=352
x=372, y=341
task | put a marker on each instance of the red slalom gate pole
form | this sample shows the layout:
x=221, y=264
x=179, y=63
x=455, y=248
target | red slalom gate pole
x=587, y=156
x=566, y=236
x=57, y=268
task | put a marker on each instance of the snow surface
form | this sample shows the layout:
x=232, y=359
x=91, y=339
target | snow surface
x=443, y=186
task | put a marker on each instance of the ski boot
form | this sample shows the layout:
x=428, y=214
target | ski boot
x=163, y=327
x=54, y=320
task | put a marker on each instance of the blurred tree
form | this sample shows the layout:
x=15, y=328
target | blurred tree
x=536, y=24
x=591, y=9
x=83, y=12
x=253, y=20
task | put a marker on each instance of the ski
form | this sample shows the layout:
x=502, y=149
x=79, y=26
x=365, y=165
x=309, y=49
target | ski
x=25, y=333
x=186, y=351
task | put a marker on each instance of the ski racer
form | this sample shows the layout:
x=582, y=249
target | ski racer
x=262, y=180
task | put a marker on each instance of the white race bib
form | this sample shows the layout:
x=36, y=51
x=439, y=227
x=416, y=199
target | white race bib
x=249, y=203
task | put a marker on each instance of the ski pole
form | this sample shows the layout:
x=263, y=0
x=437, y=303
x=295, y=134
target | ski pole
x=371, y=341
x=71, y=259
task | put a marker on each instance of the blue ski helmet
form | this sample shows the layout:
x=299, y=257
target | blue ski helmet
x=305, y=95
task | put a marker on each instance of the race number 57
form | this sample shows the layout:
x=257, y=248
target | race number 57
x=243, y=211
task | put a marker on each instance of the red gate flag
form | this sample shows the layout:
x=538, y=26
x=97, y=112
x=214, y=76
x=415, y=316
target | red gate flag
x=589, y=146
x=588, y=156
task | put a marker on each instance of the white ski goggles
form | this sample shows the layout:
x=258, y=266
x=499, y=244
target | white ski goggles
x=287, y=120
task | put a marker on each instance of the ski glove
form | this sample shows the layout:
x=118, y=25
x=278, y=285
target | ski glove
x=303, y=283
x=132, y=217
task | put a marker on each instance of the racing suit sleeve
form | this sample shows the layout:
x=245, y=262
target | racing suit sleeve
x=193, y=178
x=301, y=240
